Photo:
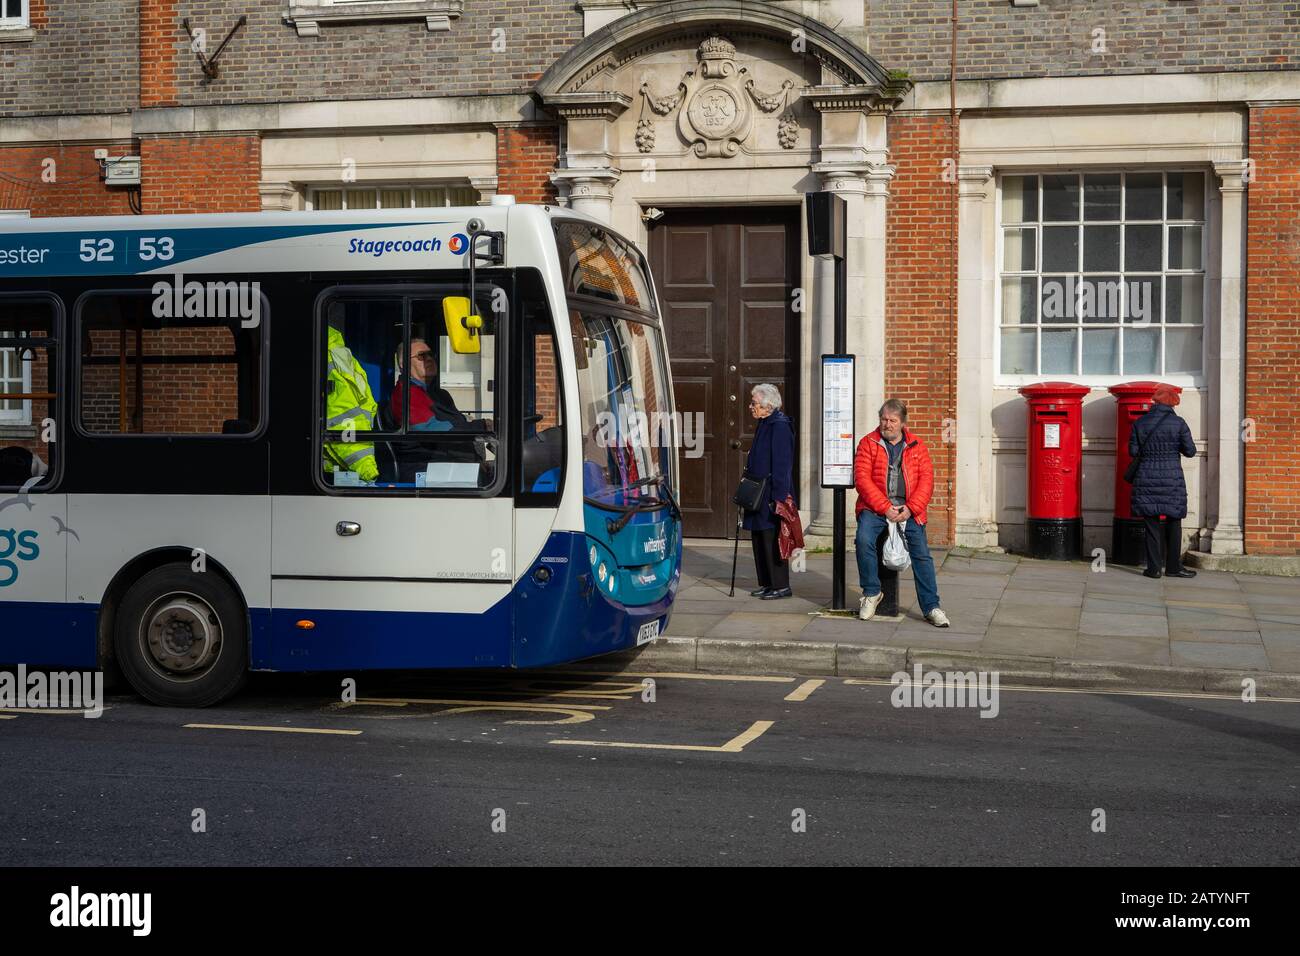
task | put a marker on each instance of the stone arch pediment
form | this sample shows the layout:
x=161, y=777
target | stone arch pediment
x=629, y=38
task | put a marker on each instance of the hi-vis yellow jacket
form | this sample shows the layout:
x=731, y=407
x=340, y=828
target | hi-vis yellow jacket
x=349, y=405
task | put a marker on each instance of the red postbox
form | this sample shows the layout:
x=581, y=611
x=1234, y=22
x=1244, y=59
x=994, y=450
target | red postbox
x=1054, y=509
x=1132, y=401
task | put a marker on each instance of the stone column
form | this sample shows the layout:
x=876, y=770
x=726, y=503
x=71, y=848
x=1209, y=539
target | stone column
x=976, y=522
x=486, y=187
x=278, y=197
x=854, y=166
x=588, y=176
x=1226, y=537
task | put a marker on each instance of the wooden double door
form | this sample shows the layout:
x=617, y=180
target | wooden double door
x=726, y=279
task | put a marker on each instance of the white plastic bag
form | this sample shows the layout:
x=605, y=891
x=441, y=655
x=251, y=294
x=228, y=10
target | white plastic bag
x=895, y=556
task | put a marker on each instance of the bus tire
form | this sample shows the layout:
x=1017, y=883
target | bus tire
x=182, y=638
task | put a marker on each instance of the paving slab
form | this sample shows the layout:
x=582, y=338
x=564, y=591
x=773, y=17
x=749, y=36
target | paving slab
x=936, y=639
x=1213, y=636
x=1038, y=597
x=1045, y=616
x=686, y=624
x=1035, y=641
x=1122, y=650
x=1273, y=617
x=745, y=625
x=1230, y=656
x=1105, y=624
x=1207, y=619
x=1122, y=604
x=848, y=630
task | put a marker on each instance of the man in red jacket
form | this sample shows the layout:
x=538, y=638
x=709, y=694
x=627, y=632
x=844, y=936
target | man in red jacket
x=894, y=479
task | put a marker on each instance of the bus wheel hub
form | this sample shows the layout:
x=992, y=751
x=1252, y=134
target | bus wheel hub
x=184, y=633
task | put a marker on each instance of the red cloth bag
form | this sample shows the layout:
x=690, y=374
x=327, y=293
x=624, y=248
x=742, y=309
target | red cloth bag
x=790, y=536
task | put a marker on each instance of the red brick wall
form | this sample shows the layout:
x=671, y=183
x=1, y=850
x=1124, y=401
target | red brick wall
x=917, y=287
x=1272, y=478
x=214, y=173
x=159, y=36
x=177, y=398
x=76, y=189
x=36, y=14
x=526, y=156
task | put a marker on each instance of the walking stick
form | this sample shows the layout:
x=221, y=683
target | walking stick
x=735, y=551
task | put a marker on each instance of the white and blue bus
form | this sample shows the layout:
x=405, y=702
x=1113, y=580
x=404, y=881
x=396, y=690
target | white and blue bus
x=330, y=441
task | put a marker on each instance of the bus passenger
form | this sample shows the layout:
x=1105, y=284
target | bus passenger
x=432, y=408
x=349, y=405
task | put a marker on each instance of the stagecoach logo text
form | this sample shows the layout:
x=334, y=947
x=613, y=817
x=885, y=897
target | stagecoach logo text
x=16, y=546
x=208, y=300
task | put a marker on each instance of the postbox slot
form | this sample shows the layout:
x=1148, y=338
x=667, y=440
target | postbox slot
x=1043, y=413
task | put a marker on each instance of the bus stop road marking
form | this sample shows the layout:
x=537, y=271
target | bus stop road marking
x=495, y=704
x=690, y=676
x=276, y=730
x=804, y=690
x=733, y=746
x=8, y=716
x=1188, y=695
x=56, y=711
x=571, y=716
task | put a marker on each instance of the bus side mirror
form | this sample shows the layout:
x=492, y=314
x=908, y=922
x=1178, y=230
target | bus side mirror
x=462, y=327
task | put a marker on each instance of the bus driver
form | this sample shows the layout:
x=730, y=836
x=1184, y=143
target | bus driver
x=432, y=407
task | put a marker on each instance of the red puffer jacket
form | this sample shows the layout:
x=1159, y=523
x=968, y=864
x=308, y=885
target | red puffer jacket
x=871, y=475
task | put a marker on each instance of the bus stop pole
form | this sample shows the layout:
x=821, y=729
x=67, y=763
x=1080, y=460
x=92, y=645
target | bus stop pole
x=841, y=347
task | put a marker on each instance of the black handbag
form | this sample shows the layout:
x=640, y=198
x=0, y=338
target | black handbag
x=750, y=492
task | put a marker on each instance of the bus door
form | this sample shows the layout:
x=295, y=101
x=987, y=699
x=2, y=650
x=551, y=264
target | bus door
x=37, y=626
x=406, y=558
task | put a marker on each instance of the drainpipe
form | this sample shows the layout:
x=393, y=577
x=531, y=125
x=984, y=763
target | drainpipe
x=952, y=284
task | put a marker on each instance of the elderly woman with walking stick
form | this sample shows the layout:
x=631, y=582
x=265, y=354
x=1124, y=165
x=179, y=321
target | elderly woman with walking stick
x=768, y=486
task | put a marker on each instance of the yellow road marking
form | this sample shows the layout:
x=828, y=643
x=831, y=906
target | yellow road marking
x=457, y=702
x=278, y=730
x=804, y=690
x=574, y=716
x=42, y=710
x=8, y=716
x=1084, y=690
x=688, y=676
x=733, y=746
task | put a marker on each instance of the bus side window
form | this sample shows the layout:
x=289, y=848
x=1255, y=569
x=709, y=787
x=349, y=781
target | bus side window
x=28, y=382
x=541, y=462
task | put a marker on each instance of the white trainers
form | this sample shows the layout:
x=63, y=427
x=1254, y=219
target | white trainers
x=937, y=618
x=867, y=605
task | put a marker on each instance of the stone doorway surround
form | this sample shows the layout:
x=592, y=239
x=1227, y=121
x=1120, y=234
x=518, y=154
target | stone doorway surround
x=723, y=102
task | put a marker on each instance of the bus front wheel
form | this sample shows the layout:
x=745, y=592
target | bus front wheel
x=182, y=638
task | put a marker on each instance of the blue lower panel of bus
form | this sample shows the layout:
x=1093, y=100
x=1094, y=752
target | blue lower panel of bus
x=552, y=618
x=549, y=619
x=48, y=635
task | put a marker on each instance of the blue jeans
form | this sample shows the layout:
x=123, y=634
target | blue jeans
x=870, y=525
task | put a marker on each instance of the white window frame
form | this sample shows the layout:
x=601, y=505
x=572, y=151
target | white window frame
x=380, y=187
x=1188, y=380
x=19, y=22
x=308, y=16
x=15, y=416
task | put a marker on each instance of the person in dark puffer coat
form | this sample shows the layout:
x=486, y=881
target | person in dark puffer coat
x=772, y=457
x=1158, y=486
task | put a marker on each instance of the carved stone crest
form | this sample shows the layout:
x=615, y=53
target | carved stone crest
x=717, y=104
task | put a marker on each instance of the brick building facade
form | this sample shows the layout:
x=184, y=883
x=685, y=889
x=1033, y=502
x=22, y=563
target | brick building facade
x=1159, y=141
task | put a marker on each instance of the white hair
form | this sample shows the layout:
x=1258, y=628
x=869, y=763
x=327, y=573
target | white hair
x=767, y=395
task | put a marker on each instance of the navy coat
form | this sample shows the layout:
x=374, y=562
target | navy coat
x=1158, y=487
x=772, y=455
